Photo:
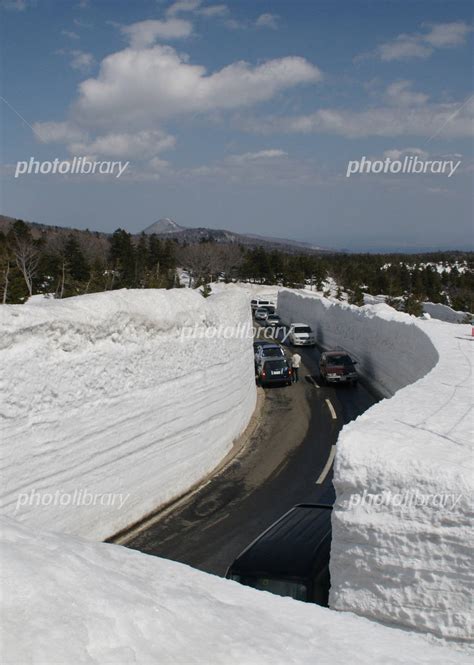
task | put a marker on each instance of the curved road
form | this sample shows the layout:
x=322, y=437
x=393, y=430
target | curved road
x=287, y=461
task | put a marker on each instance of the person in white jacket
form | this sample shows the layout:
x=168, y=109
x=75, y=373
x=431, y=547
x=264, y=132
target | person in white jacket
x=295, y=363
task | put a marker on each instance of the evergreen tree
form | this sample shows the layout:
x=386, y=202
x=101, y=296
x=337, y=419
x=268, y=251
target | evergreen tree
x=413, y=306
x=78, y=267
x=122, y=256
x=356, y=297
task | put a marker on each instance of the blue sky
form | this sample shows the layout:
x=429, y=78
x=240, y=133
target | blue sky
x=242, y=115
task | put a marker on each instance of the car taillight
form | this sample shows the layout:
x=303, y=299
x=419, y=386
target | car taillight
x=290, y=370
x=263, y=373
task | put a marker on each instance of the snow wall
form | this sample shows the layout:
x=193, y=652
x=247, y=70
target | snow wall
x=403, y=470
x=107, y=404
x=445, y=313
x=67, y=601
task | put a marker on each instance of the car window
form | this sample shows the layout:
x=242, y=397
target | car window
x=277, y=364
x=339, y=360
x=302, y=329
x=272, y=351
x=281, y=587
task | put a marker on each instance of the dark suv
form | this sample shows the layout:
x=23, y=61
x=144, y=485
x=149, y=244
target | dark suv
x=275, y=370
x=337, y=367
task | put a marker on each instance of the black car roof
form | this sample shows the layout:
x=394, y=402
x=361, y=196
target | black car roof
x=290, y=546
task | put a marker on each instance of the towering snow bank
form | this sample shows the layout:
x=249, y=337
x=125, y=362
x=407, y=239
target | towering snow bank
x=444, y=312
x=391, y=350
x=109, y=411
x=93, y=603
x=435, y=310
x=403, y=470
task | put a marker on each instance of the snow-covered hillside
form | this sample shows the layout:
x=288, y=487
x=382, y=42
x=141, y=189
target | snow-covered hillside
x=68, y=601
x=105, y=399
x=403, y=470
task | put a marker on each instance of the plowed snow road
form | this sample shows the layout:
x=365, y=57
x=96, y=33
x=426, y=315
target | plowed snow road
x=288, y=460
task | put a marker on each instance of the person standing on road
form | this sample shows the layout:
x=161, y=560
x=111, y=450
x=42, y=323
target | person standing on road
x=295, y=363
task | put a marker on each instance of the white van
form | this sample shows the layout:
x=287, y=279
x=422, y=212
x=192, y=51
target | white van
x=262, y=302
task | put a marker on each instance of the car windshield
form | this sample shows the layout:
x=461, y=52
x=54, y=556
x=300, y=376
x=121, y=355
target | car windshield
x=302, y=329
x=272, y=351
x=277, y=364
x=281, y=587
x=339, y=360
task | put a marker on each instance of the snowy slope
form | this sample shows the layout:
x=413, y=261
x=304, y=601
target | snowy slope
x=394, y=559
x=69, y=601
x=105, y=399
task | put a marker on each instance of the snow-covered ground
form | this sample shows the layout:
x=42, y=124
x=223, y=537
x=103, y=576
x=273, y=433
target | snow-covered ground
x=67, y=601
x=109, y=411
x=403, y=470
x=252, y=290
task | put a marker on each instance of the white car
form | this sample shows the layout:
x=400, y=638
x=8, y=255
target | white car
x=301, y=335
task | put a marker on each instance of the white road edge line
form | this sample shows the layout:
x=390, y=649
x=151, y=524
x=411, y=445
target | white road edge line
x=331, y=409
x=327, y=466
x=312, y=381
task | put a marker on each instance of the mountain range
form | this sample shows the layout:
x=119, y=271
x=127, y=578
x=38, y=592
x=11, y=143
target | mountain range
x=169, y=228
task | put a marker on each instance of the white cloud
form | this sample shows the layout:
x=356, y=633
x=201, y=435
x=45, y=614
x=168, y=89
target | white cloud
x=145, y=33
x=261, y=155
x=213, y=10
x=422, y=45
x=234, y=24
x=140, y=88
x=70, y=34
x=263, y=21
x=447, y=35
x=81, y=60
x=58, y=132
x=182, y=6
x=267, y=21
x=140, y=145
x=400, y=92
x=404, y=46
x=424, y=120
x=195, y=7
x=265, y=167
x=396, y=153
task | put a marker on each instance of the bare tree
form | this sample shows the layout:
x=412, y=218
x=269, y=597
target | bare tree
x=6, y=264
x=57, y=249
x=27, y=259
x=200, y=260
x=230, y=257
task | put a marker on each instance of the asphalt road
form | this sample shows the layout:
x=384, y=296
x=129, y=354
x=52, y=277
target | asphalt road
x=287, y=461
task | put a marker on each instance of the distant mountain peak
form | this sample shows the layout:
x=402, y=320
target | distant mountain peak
x=164, y=225
x=168, y=227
